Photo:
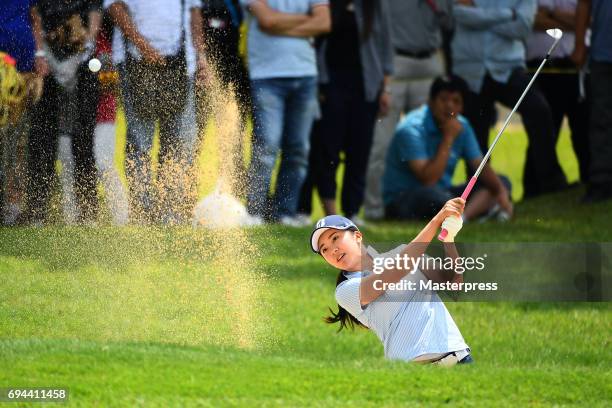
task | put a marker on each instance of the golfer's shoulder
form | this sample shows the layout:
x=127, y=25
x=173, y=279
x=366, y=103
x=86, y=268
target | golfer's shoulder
x=347, y=292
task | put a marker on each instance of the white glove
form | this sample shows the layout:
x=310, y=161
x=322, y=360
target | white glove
x=452, y=225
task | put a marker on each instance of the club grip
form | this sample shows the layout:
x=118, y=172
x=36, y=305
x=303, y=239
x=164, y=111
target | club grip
x=443, y=234
x=466, y=192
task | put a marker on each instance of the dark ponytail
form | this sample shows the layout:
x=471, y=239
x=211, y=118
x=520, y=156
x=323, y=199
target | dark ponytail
x=345, y=318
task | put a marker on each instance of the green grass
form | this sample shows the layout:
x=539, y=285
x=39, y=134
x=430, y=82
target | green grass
x=148, y=317
x=133, y=316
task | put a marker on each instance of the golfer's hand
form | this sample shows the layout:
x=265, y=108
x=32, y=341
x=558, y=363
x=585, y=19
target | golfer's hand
x=452, y=225
x=452, y=208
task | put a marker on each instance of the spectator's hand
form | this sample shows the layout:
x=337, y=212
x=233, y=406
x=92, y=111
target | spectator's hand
x=150, y=54
x=579, y=56
x=41, y=67
x=451, y=128
x=384, y=104
x=467, y=3
x=503, y=199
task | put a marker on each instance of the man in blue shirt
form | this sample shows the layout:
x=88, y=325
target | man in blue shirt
x=489, y=53
x=283, y=73
x=600, y=135
x=423, y=155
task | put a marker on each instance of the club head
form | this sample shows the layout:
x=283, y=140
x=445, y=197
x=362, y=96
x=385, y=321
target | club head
x=555, y=33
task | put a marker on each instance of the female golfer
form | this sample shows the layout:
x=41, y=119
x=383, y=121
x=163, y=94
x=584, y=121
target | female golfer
x=413, y=324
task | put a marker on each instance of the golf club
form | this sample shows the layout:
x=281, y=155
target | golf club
x=554, y=33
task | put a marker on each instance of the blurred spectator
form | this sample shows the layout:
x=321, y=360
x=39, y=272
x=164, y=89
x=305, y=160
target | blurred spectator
x=164, y=45
x=105, y=133
x=559, y=80
x=489, y=53
x=283, y=74
x=416, y=63
x=21, y=85
x=600, y=133
x=424, y=152
x=356, y=61
x=68, y=105
x=222, y=20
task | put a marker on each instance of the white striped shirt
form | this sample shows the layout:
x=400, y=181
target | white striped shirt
x=409, y=323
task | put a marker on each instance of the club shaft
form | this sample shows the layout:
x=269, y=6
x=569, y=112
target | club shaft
x=518, y=103
x=468, y=188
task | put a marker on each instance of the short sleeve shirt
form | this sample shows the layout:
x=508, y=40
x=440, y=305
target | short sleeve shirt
x=408, y=323
x=417, y=137
x=275, y=56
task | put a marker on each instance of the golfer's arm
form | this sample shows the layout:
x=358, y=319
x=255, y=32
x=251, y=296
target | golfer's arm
x=274, y=22
x=583, y=13
x=488, y=177
x=121, y=17
x=319, y=22
x=414, y=250
x=444, y=275
x=430, y=171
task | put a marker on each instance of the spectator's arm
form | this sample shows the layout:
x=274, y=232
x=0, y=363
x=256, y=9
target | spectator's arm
x=583, y=15
x=197, y=32
x=93, y=26
x=41, y=67
x=318, y=22
x=544, y=20
x=429, y=172
x=495, y=186
x=37, y=29
x=387, y=47
x=520, y=27
x=121, y=17
x=565, y=19
x=477, y=18
x=445, y=17
x=274, y=22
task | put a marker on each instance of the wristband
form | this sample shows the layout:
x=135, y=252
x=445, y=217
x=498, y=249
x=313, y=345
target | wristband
x=40, y=54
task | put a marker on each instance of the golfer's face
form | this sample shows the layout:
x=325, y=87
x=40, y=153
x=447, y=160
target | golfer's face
x=341, y=249
x=446, y=105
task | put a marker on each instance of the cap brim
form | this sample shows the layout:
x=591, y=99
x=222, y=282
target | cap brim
x=316, y=234
x=314, y=238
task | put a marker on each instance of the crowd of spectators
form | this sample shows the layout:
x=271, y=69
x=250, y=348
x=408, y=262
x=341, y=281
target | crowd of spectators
x=398, y=90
